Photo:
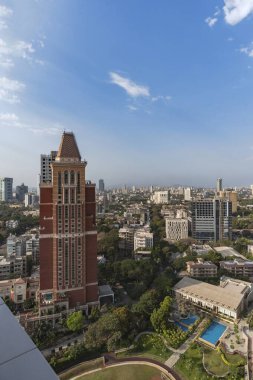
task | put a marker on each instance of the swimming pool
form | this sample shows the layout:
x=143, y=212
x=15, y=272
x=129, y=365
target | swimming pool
x=185, y=323
x=213, y=332
x=181, y=326
x=189, y=320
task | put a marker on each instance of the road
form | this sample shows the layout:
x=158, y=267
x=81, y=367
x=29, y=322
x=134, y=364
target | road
x=64, y=342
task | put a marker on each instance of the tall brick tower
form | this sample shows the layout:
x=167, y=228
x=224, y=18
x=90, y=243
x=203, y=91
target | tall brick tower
x=68, y=236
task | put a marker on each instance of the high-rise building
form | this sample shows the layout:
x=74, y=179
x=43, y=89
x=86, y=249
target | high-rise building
x=219, y=184
x=21, y=191
x=101, y=185
x=68, y=235
x=188, y=194
x=211, y=219
x=45, y=166
x=6, y=189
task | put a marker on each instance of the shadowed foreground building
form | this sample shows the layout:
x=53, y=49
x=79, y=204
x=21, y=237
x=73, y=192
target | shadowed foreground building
x=68, y=236
x=19, y=357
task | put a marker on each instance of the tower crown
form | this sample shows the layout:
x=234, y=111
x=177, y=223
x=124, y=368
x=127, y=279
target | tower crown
x=68, y=149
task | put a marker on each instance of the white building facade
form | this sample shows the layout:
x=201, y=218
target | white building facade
x=161, y=197
x=143, y=240
x=176, y=229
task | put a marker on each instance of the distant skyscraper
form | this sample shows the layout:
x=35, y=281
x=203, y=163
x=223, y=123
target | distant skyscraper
x=68, y=235
x=45, y=166
x=219, y=184
x=6, y=189
x=212, y=219
x=101, y=185
x=20, y=192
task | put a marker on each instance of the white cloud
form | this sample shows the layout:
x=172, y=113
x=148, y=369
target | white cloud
x=23, y=49
x=9, y=90
x=7, y=117
x=166, y=98
x=6, y=63
x=11, y=120
x=3, y=25
x=4, y=12
x=133, y=89
x=20, y=49
x=211, y=21
x=248, y=50
x=237, y=10
x=132, y=108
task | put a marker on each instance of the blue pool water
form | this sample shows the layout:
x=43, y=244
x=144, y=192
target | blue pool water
x=184, y=324
x=181, y=326
x=213, y=332
x=190, y=320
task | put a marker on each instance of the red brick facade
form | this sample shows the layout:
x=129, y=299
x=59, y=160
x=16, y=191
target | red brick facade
x=68, y=238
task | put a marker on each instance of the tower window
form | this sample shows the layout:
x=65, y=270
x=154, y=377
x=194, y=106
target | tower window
x=66, y=177
x=72, y=177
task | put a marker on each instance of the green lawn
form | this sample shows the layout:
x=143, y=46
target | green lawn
x=190, y=366
x=125, y=372
x=235, y=359
x=214, y=363
x=150, y=346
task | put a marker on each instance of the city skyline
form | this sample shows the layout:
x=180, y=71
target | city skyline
x=150, y=102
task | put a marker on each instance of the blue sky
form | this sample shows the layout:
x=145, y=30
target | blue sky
x=157, y=92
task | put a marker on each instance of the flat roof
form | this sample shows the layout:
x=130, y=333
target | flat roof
x=229, y=251
x=228, y=296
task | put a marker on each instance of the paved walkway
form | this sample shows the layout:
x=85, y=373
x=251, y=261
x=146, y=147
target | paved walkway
x=181, y=350
x=64, y=342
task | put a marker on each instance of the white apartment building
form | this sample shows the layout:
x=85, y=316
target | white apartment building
x=143, y=240
x=188, y=194
x=176, y=229
x=16, y=245
x=33, y=247
x=201, y=268
x=161, y=197
x=6, y=185
x=31, y=199
x=126, y=235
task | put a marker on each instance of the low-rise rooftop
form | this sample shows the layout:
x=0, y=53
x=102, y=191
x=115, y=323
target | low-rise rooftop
x=228, y=296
